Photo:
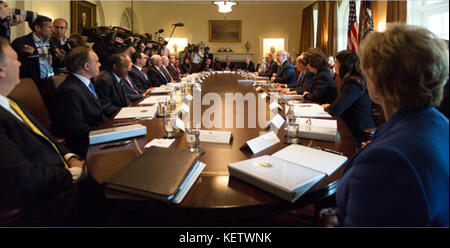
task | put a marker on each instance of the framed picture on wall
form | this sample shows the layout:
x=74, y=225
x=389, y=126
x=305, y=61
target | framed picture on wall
x=224, y=30
x=83, y=15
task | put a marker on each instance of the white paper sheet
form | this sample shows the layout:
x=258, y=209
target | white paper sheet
x=262, y=142
x=165, y=143
x=222, y=137
x=137, y=113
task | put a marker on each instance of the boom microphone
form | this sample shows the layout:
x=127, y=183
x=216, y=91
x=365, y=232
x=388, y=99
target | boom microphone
x=178, y=24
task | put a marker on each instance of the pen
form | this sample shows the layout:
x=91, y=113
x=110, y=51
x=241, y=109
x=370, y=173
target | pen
x=120, y=143
x=328, y=150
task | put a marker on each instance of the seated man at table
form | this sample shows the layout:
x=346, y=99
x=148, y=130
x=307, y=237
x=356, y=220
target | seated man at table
x=36, y=173
x=131, y=91
x=228, y=66
x=248, y=66
x=286, y=72
x=79, y=110
x=304, y=80
x=271, y=66
x=157, y=75
x=137, y=74
x=110, y=85
x=207, y=66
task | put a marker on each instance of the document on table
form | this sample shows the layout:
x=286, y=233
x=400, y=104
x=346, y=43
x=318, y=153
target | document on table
x=154, y=100
x=310, y=110
x=277, y=122
x=222, y=137
x=137, y=113
x=165, y=143
x=262, y=142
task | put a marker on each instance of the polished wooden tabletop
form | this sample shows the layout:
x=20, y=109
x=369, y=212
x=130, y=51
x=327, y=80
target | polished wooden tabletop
x=215, y=193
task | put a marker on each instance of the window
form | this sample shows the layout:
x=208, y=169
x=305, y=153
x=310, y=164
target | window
x=432, y=15
x=176, y=45
x=343, y=12
x=268, y=43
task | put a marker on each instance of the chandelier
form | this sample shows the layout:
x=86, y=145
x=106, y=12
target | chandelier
x=224, y=6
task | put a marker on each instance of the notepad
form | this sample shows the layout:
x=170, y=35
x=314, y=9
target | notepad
x=154, y=100
x=310, y=110
x=137, y=113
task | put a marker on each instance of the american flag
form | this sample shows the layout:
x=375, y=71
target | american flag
x=352, y=34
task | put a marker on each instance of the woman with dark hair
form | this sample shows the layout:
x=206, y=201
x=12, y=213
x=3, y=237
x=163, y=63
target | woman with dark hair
x=185, y=67
x=353, y=102
x=323, y=88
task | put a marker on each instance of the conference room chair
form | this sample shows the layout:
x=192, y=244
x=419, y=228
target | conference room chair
x=58, y=79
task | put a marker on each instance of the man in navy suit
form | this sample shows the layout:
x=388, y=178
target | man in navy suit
x=110, y=86
x=158, y=76
x=137, y=74
x=271, y=66
x=79, y=108
x=248, y=66
x=286, y=72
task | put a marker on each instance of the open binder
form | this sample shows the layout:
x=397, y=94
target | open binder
x=288, y=173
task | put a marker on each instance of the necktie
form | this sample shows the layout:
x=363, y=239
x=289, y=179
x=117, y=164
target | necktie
x=91, y=87
x=143, y=73
x=131, y=84
x=171, y=78
x=300, y=78
x=178, y=71
x=164, y=75
x=36, y=130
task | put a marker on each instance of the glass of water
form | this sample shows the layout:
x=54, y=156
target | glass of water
x=292, y=130
x=193, y=136
x=169, y=128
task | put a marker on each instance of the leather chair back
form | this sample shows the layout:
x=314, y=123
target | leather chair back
x=58, y=79
x=27, y=94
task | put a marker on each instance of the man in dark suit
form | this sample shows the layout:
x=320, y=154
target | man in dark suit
x=207, y=66
x=286, y=73
x=249, y=66
x=59, y=43
x=36, y=172
x=34, y=54
x=167, y=68
x=110, y=85
x=176, y=75
x=131, y=91
x=304, y=80
x=157, y=75
x=137, y=74
x=79, y=109
x=228, y=66
x=271, y=66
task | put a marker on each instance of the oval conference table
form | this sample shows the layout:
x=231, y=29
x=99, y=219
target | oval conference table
x=216, y=198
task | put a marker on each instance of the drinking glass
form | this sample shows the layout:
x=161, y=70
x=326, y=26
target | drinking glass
x=193, y=136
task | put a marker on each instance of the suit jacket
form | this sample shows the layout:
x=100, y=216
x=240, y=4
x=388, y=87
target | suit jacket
x=207, y=68
x=185, y=69
x=231, y=66
x=173, y=73
x=156, y=78
x=111, y=94
x=323, y=88
x=31, y=172
x=139, y=79
x=354, y=106
x=401, y=177
x=132, y=92
x=304, y=82
x=78, y=113
x=286, y=74
x=30, y=63
x=250, y=68
x=270, y=70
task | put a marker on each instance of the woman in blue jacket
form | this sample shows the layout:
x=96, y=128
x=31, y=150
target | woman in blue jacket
x=352, y=103
x=401, y=177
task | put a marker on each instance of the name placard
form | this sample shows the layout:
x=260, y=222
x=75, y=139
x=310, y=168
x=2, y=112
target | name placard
x=262, y=142
x=277, y=122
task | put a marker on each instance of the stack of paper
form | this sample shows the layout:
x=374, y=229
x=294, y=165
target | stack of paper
x=318, y=129
x=137, y=113
x=310, y=110
x=161, y=90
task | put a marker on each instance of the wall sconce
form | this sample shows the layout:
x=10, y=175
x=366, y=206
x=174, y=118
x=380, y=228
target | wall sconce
x=224, y=6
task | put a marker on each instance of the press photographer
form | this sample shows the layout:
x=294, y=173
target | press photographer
x=8, y=19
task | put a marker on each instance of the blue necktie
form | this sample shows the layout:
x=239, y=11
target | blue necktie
x=91, y=86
